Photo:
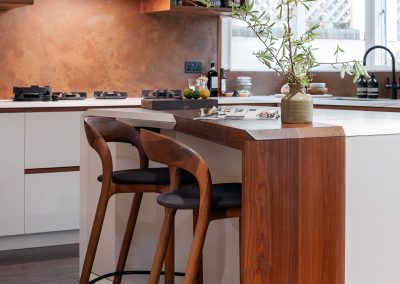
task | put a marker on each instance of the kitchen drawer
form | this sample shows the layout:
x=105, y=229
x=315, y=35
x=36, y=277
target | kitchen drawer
x=52, y=139
x=12, y=174
x=51, y=202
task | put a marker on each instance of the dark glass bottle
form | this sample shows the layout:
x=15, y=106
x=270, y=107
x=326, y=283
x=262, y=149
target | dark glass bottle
x=373, y=87
x=362, y=87
x=222, y=83
x=212, y=83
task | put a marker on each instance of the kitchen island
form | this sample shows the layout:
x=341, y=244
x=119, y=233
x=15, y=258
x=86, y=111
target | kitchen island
x=293, y=201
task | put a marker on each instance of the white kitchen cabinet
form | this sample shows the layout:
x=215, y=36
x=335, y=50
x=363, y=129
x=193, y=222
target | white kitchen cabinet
x=51, y=202
x=52, y=139
x=12, y=174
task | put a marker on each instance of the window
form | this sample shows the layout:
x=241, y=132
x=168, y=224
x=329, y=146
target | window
x=354, y=25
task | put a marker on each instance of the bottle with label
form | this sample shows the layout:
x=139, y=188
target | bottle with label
x=373, y=87
x=362, y=87
x=222, y=89
x=212, y=83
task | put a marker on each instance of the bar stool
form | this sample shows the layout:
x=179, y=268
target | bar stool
x=99, y=131
x=209, y=201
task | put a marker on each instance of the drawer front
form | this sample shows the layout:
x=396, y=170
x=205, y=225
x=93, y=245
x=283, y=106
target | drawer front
x=51, y=202
x=52, y=139
x=12, y=174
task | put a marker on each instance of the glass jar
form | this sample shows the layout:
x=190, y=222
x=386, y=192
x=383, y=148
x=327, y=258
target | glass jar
x=243, y=86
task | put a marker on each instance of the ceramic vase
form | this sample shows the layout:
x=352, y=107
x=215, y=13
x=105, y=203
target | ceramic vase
x=296, y=105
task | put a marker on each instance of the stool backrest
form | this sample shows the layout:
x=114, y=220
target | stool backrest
x=100, y=130
x=176, y=155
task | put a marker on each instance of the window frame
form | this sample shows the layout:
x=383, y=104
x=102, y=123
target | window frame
x=375, y=34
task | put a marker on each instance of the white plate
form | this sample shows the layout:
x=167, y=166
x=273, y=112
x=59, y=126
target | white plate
x=317, y=85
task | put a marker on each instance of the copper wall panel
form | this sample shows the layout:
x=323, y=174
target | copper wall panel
x=100, y=45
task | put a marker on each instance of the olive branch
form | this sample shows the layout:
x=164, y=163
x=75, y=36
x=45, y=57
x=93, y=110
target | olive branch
x=292, y=58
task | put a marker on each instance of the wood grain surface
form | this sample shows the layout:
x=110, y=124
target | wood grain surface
x=234, y=133
x=294, y=211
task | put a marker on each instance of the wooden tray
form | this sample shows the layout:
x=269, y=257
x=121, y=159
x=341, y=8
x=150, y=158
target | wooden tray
x=166, y=104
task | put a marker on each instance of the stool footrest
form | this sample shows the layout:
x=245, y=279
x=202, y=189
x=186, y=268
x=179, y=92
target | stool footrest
x=130, y=272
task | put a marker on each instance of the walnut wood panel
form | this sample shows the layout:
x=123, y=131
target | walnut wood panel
x=10, y=4
x=52, y=170
x=148, y=6
x=165, y=6
x=294, y=211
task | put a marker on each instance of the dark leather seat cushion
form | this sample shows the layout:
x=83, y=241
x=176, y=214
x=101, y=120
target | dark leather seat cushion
x=224, y=195
x=148, y=176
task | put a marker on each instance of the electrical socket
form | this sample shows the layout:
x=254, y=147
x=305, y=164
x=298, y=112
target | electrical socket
x=193, y=67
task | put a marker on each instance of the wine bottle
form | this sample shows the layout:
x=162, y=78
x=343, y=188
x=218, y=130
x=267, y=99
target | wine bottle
x=212, y=82
x=222, y=88
x=373, y=87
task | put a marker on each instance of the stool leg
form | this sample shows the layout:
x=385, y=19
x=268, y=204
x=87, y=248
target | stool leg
x=200, y=274
x=162, y=246
x=94, y=237
x=170, y=257
x=130, y=228
x=241, y=260
x=196, y=249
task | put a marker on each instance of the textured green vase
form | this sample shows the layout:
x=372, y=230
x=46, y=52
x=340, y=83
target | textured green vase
x=296, y=105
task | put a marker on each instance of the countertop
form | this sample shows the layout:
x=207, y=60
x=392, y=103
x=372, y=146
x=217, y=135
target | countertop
x=135, y=102
x=354, y=123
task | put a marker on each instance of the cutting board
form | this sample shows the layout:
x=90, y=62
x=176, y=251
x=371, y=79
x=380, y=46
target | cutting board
x=167, y=104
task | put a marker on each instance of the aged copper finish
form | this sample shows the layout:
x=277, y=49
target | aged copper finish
x=100, y=45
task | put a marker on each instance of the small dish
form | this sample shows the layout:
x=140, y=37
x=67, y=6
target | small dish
x=228, y=94
x=317, y=85
x=244, y=93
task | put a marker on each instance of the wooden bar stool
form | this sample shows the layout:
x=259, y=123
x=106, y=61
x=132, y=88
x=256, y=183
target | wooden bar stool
x=209, y=201
x=99, y=131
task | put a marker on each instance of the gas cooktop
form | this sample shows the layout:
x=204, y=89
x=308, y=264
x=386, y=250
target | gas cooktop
x=105, y=95
x=68, y=96
x=162, y=94
x=32, y=93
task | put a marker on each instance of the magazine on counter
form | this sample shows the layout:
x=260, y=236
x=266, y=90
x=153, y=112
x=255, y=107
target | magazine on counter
x=237, y=113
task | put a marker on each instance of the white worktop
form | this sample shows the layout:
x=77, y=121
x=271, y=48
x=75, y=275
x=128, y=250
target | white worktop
x=134, y=102
x=333, y=101
x=9, y=104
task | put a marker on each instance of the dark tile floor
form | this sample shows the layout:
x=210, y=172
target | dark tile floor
x=56, y=265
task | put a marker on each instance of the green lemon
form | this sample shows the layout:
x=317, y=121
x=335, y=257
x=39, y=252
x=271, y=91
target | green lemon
x=196, y=94
x=188, y=93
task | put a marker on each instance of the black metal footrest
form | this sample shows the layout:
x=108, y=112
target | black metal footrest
x=130, y=272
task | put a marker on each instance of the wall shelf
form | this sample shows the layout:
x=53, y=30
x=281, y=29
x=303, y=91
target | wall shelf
x=167, y=7
x=10, y=4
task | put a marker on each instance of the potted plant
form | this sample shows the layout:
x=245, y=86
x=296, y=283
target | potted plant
x=290, y=56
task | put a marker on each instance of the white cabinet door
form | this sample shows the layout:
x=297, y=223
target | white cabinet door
x=51, y=202
x=52, y=139
x=12, y=174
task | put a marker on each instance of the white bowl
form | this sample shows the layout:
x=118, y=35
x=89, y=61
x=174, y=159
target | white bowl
x=317, y=85
x=228, y=94
x=244, y=93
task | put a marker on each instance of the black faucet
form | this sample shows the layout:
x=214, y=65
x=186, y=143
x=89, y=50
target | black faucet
x=394, y=85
